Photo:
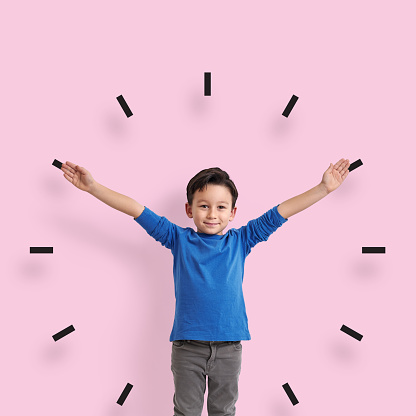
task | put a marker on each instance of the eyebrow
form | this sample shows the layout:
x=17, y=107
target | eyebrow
x=204, y=200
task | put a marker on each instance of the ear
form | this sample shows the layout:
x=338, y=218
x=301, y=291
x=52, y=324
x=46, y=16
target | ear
x=188, y=210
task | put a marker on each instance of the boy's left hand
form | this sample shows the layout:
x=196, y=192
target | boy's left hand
x=335, y=175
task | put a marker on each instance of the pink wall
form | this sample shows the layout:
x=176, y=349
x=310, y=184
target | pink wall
x=352, y=67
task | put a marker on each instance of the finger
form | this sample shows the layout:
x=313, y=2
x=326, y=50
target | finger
x=343, y=164
x=69, y=171
x=71, y=166
x=346, y=166
x=65, y=168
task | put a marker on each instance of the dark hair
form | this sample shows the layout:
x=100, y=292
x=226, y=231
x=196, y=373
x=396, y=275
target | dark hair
x=215, y=176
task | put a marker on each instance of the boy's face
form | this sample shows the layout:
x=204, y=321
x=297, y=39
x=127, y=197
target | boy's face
x=211, y=205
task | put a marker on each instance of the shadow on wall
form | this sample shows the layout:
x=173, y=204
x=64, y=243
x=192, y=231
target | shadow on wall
x=173, y=208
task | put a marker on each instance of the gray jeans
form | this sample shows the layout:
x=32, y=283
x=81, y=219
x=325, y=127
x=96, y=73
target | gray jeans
x=192, y=361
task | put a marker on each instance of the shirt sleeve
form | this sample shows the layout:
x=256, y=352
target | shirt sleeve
x=261, y=228
x=160, y=228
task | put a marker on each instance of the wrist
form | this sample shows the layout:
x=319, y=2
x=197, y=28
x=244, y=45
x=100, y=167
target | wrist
x=93, y=188
x=323, y=189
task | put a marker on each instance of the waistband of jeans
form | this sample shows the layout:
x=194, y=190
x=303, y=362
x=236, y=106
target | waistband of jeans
x=210, y=342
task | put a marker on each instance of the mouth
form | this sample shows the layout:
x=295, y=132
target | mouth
x=210, y=224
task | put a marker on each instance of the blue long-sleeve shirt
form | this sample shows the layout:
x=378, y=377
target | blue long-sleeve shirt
x=208, y=275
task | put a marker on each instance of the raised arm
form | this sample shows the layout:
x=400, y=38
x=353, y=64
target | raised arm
x=83, y=180
x=298, y=203
x=332, y=178
x=117, y=201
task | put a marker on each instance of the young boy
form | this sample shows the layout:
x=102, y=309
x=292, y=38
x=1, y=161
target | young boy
x=210, y=316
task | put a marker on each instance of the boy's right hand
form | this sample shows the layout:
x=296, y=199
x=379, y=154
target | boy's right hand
x=78, y=176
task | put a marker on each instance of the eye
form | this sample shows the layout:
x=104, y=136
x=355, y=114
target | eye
x=221, y=206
